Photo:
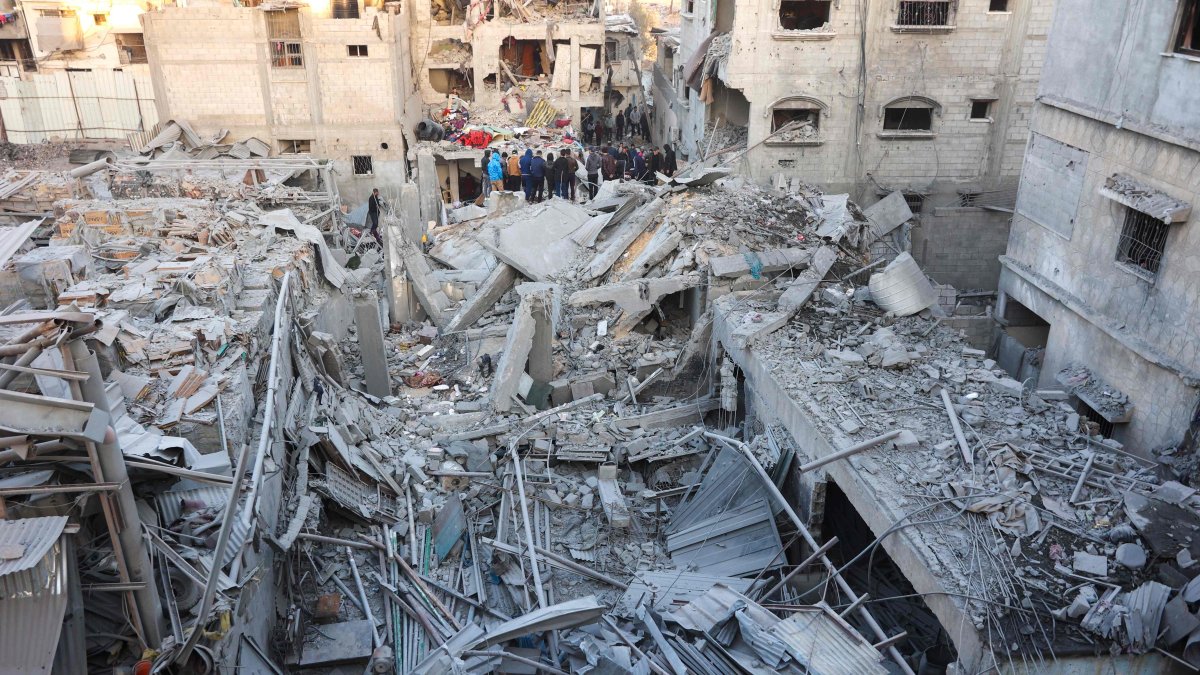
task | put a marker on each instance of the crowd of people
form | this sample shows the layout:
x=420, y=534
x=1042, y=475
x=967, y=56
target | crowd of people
x=546, y=175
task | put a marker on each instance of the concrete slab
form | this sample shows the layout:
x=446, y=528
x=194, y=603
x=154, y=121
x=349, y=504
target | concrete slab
x=532, y=330
x=621, y=239
x=662, y=244
x=428, y=290
x=493, y=287
x=536, y=240
x=636, y=298
x=767, y=262
x=887, y=214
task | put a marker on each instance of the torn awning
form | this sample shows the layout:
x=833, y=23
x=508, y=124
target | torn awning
x=1141, y=197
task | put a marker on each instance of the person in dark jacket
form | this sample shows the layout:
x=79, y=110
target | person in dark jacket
x=526, y=176
x=645, y=121
x=551, y=177
x=669, y=164
x=624, y=163
x=608, y=164
x=639, y=166
x=373, y=214
x=537, y=176
x=656, y=166
x=589, y=127
x=620, y=124
x=564, y=168
x=487, y=183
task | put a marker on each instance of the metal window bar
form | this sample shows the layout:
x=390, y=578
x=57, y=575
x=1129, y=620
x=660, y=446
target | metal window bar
x=363, y=165
x=924, y=13
x=1143, y=240
x=915, y=202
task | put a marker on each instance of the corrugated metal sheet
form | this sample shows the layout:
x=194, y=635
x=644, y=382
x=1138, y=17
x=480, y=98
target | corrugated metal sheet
x=741, y=540
x=77, y=104
x=665, y=591
x=170, y=504
x=729, y=482
x=824, y=644
x=33, y=594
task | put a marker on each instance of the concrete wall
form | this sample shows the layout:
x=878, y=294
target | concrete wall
x=1138, y=334
x=961, y=246
x=212, y=66
x=987, y=55
x=485, y=40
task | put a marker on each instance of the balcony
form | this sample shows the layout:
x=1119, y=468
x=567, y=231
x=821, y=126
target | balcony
x=14, y=29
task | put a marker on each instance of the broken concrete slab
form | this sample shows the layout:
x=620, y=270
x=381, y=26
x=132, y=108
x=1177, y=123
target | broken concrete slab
x=765, y=262
x=532, y=331
x=536, y=240
x=836, y=221
x=490, y=291
x=622, y=239
x=807, y=281
x=683, y=415
x=371, y=344
x=428, y=290
x=887, y=214
x=636, y=298
x=664, y=243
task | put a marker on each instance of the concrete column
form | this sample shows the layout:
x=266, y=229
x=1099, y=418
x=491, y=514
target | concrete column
x=112, y=463
x=371, y=345
x=575, y=70
x=429, y=189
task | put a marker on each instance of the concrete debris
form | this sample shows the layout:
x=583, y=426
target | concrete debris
x=662, y=431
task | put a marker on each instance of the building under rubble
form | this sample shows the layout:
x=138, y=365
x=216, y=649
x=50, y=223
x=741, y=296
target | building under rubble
x=722, y=421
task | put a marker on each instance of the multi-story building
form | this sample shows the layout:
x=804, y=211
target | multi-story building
x=930, y=97
x=1097, y=290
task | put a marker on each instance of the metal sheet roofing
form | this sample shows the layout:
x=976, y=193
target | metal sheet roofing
x=11, y=239
x=825, y=645
x=33, y=593
x=25, y=542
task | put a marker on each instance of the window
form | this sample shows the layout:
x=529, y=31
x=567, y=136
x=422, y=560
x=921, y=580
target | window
x=981, y=110
x=796, y=120
x=283, y=29
x=998, y=6
x=356, y=50
x=131, y=47
x=1143, y=239
x=294, y=146
x=924, y=13
x=362, y=165
x=689, y=6
x=803, y=14
x=915, y=201
x=900, y=118
x=99, y=19
x=1187, y=40
x=345, y=9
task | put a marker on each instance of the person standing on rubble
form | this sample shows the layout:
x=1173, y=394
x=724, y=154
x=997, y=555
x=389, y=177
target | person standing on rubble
x=373, y=204
x=669, y=164
x=564, y=168
x=608, y=164
x=537, y=176
x=495, y=171
x=526, y=176
x=624, y=162
x=645, y=115
x=551, y=176
x=485, y=163
x=514, y=172
x=589, y=128
x=620, y=124
x=592, y=166
x=600, y=129
x=639, y=166
x=635, y=121
x=656, y=167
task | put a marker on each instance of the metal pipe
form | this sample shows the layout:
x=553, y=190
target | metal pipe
x=519, y=659
x=852, y=450
x=112, y=464
x=362, y=594
x=968, y=456
x=520, y=478
x=28, y=357
x=803, y=529
x=268, y=408
x=799, y=568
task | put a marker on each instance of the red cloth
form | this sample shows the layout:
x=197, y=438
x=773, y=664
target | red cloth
x=476, y=139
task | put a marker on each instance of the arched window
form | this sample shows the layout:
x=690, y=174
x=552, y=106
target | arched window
x=910, y=115
x=796, y=120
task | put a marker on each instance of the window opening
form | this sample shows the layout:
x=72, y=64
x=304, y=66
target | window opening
x=362, y=165
x=295, y=146
x=99, y=19
x=803, y=14
x=1143, y=240
x=981, y=110
x=356, y=50
x=131, y=47
x=283, y=28
x=923, y=13
x=345, y=9
x=803, y=124
x=1187, y=41
x=915, y=201
x=908, y=119
x=998, y=6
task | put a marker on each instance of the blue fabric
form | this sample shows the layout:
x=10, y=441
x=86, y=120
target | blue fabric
x=537, y=167
x=495, y=170
x=524, y=162
x=528, y=184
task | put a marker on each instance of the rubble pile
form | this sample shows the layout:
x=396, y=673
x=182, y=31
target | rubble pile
x=531, y=440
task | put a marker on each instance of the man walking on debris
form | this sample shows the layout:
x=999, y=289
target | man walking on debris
x=373, y=204
x=592, y=165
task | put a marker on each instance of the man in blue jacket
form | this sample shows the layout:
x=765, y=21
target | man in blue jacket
x=537, y=176
x=526, y=176
x=496, y=172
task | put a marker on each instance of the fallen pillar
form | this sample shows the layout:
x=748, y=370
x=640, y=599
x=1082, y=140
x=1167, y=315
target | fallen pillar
x=371, y=344
x=664, y=243
x=635, y=298
x=533, y=325
x=496, y=285
x=621, y=240
x=428, y=290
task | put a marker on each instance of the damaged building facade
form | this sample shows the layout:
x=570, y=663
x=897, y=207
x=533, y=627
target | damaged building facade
x=929, y=97
x=1096, y=290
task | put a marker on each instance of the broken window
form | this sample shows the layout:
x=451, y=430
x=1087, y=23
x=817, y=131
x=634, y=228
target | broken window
x=924, y=13
x=981, y=109
x=998, y=6
x=795, y=121
x=345, y=9
x=362, y=165
x=356, y=50
x=131, y=47
x=296, y=146
x=908, y=116
x=283, y=29
x=1094, y=422
x=803, y=14
x=1187, y=40
x=524, y=58
x=915, y=201
x=1143, y=240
